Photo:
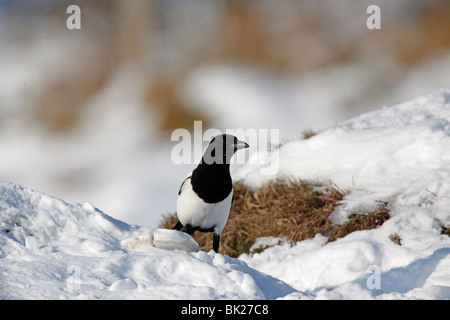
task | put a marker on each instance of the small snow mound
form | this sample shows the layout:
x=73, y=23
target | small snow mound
x=141, y=242
x=162, y=239
x=174, y=240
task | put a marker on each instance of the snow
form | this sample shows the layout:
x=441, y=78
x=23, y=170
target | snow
x=51, y=249
x=398, y=154
x=172, y=239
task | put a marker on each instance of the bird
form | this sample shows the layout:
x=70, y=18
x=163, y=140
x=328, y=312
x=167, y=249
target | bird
x=205, y=196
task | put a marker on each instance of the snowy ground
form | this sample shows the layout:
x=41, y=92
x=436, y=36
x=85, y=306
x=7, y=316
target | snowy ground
x=51, y=249
x=398, y=154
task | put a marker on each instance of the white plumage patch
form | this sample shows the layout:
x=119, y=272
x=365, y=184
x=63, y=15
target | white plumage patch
x=192, y=210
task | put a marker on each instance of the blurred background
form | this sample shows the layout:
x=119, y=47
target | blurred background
x=87, y=115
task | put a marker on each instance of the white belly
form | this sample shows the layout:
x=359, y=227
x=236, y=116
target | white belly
x=194, y=211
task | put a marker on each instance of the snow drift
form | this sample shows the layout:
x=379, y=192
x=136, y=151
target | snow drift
x=50, y=249
x=398, y=155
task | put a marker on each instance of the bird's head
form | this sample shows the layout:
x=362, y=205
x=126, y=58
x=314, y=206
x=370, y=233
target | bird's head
x=222, y=148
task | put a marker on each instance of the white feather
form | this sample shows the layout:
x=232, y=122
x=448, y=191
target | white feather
x=191, y=209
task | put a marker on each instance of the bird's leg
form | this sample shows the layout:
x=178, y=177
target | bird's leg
x=216, y=242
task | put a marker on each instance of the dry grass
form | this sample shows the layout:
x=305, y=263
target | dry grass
x=446, y=230
x=396, y=239
x=358, y=222
x=297, y=210
x=308, y=133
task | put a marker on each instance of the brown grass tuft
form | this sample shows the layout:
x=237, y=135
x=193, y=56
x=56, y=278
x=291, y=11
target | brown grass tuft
x=396, y=239
x=358, y=222
x=296, y=210
x=446, y=230
x=308, y=133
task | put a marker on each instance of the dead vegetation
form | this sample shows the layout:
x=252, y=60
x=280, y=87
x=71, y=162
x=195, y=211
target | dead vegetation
x=296, y=210
x=446, y=231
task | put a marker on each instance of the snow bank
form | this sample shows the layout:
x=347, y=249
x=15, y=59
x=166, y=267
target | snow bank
x=50, y=249
x=398, y=154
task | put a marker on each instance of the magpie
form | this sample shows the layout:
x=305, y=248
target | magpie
x=205, y=196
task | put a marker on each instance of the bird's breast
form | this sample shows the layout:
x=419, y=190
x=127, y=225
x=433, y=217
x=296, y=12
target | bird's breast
x=193, y=210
